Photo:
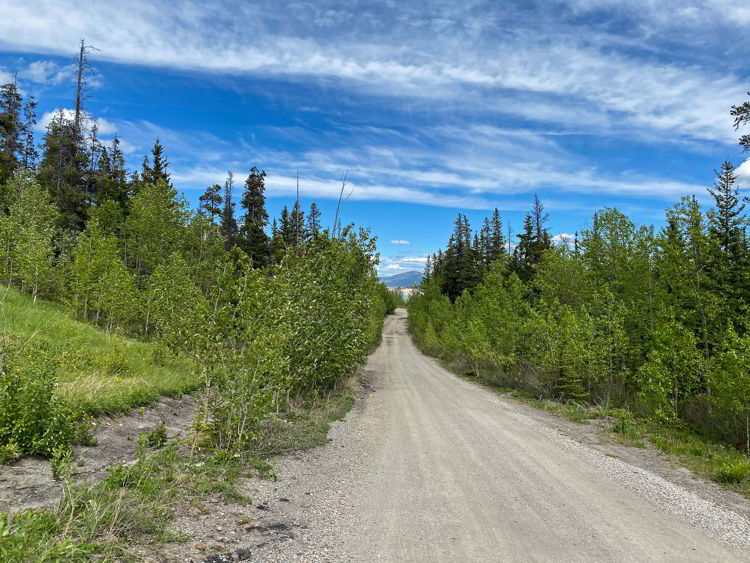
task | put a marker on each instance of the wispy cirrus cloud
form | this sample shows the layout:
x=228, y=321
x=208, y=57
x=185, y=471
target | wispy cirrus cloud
x=470, y=105
x=595, y=81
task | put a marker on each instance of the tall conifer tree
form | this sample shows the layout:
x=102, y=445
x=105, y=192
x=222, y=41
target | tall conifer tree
x=253, y=239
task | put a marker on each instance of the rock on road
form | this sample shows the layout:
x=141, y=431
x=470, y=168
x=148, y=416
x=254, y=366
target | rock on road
x=428, y=467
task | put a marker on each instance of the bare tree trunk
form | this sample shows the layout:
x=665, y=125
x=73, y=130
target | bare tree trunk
x=336, y=226
x=80, y=84
x=296, y=219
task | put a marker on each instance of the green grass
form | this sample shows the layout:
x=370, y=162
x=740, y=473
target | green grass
x=97, y=372
x=306, y=425
x=135, y=504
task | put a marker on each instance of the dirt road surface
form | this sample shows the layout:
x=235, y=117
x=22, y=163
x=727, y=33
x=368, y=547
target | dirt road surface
x=429, y=467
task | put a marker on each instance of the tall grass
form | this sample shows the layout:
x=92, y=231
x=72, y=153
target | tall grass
x=96, y=372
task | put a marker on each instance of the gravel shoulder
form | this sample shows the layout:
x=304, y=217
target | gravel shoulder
x=429, y=467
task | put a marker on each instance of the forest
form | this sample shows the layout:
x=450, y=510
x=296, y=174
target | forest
x=253, y=319
x=623, y=315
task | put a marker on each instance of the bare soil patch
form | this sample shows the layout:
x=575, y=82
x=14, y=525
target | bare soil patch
x=28, y=483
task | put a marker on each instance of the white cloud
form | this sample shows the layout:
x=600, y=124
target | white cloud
x=460, y=59
x=126, y=147
x=399, y=264
x=400, y=241
x=104, y=127
x=673, y=13
x=566, y=239
x=45, y=72
x=479, y=168
x=49, y=116
x=590, y=80
x=743, y=175
x=414, y=260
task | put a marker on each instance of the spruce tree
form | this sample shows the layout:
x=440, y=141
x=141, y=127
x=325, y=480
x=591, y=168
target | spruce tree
x=157, y=169
x=145, y=176
x=461, y=269
x=485, y=235
x=210, y=202
x=62, y=171
x=286, y=228
x=741, y=116
x=253, y=239
x=159, y=164
x=118, y=175
x=11, y=128
x=496, y=243
x=726, y=227
x=227, y=222
x=523, y=255
x=726, y=221
x=313, y=222
x=30, y=154
x=297, y=218
x=95, y=176
x=427, y=275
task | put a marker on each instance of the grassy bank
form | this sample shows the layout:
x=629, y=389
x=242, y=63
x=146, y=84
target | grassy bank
x=96, y=372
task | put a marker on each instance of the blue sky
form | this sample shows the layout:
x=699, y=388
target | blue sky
x=433, y=107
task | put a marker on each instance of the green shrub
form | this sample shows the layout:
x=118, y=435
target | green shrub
x=62, y=462
x=9, y=452
x=33, y=418
x=390, y=297
x=298, y=332
x=157, y=437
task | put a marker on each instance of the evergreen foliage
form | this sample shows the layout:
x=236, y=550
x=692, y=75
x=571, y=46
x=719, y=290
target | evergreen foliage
x=210, y=202
x=12, y=145
x=252, y=236
x=229, y=228
x=628, y=318
x=312, y=229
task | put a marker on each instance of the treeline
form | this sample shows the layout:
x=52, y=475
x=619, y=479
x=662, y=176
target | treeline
x=267, y=317
x=656, y=322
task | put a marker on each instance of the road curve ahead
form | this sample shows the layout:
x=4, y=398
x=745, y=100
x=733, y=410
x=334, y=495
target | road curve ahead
x=432, y=468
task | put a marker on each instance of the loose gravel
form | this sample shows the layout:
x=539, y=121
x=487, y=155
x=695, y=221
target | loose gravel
x=429, y=467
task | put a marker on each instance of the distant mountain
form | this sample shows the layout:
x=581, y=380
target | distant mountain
x=405, y=279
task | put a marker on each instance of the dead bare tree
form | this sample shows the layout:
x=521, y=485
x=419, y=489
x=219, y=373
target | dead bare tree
x=82, y=66
x=297, y=215
x=510, y=233
x=336, y=230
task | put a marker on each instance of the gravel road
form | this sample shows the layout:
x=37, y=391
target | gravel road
x=428, y=467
